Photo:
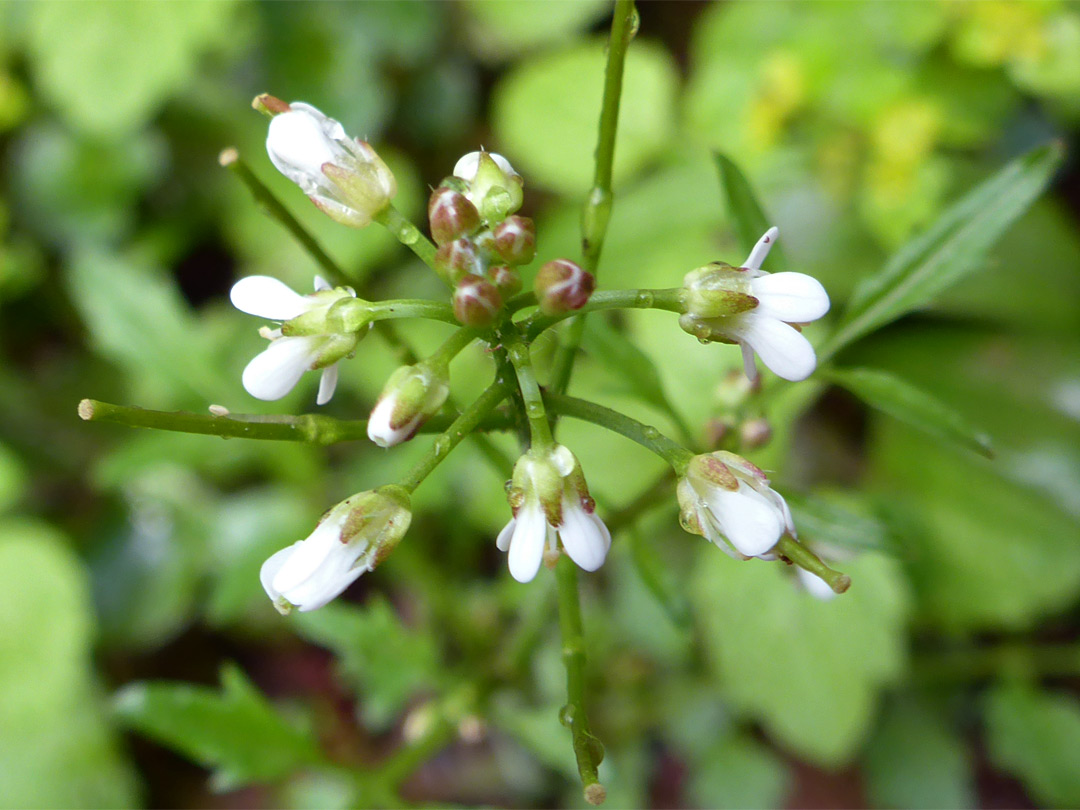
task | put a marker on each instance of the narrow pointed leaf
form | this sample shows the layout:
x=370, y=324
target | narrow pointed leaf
x=902, y=400
x=746, y=212
x=948, y=251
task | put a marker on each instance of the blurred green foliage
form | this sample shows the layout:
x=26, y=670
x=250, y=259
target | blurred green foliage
x=134, y=556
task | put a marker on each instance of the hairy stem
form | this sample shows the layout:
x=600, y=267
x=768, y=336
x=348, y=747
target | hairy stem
x=668, y=299
x=597, y=211
x=310, y=427
x=588, y=751
x=466, y=422
x=647, y=436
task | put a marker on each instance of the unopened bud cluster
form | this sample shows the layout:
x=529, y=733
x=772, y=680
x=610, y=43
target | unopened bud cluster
x=481, y=242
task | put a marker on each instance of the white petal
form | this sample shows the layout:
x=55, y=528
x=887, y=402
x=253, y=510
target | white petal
x=379, y=429
x=322, y=284
x=327, y=384
x=749, y=366
x=790, y=297
x=584, y=536
x=502, y=542
x=815, y=585
x=527, y=543
x=781, y=347
x=331, y=128
x=272, y=566
x=298, y=146
x=272, y=373
x=308, y=556
x=747, y=519
x=268, y=298
x=762, y=248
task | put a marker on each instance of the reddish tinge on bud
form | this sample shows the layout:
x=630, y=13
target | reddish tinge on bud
x=451, y=215
x=476, y=301
x=562, y=286
x=515, y=240
x=457, y=259
x=506, y=278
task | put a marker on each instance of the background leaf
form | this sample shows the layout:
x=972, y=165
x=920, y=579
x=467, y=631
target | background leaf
x=234, y=731
x=901, y=400
x=744, y=209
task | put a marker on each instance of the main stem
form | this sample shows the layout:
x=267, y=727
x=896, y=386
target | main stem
x=588, y=751
x=466, y=423
x=597, y=211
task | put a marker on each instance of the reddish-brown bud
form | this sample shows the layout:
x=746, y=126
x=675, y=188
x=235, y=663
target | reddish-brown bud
x=458, y=258
x=562, y=286
x=515, y=240
x=476, y=301
x=506, y=278
x=451, y=215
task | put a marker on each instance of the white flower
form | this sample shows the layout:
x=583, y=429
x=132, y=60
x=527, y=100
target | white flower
x=756, y=309
x=551, y=504
x=344, y=177
x=467, y=167
x=728, y=500
x=275, y=371
x=351, y=539
x=411, y=396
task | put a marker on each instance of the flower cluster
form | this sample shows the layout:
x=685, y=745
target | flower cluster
x=481, y=245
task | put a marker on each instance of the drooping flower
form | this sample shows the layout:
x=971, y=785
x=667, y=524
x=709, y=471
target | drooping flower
x=275, y=371
x=411, y=396
x=727, y=500
x=551, y=505
x=345, y=178
x=352, y=538
x=755, y=309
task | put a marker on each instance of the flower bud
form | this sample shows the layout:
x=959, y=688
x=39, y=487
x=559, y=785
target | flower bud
x=353, y=537
x=457, y=259
x=411, y=396
x=727, y=500
x=451, y=215
x=476, y=301
x=515, y=240
x=562, y=286
x=494, y=187
x=346, y=179
x=506, y=278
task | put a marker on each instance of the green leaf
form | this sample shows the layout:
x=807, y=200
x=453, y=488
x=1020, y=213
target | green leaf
x=139, y=320
x=839, y=518
x=235, y=731
x=505, y=28
x=810, y=671
x=902, y=400
x=56, y=749
x=745, y=210
x=620, y=356
x=739, y=772
x=951, y=249
x=383, y=661
x=915, y=760
x=1036, y=735
x=549, y=134
x=108, y=66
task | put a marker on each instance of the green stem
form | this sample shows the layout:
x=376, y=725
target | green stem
x=647, y=436
x=466, y=422
x=452, y=346
x=408, y=234
x=805, y=558
x=533, y=400
x=597, y=211
x=232, y=161
x=313, y=428
x=588, y=751
x=407, y=308
x=668, y=299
